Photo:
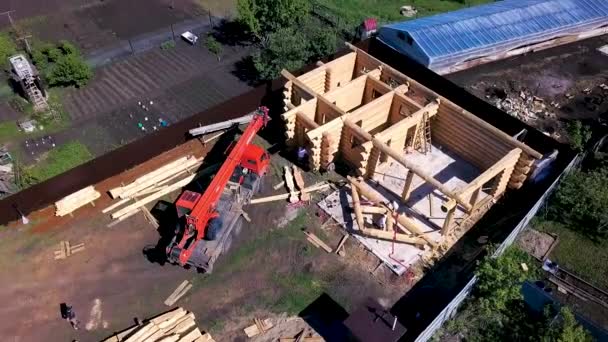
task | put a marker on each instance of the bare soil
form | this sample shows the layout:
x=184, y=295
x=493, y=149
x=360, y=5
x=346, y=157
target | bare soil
x=536, y=243
x=268, y=270
x=567, y=78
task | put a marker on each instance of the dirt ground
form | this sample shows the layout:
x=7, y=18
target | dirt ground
x=536, y=243
x=270, y=269
x=93, y=24
x=566, y=79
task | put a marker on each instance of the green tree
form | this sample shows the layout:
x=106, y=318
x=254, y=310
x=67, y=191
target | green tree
x=68, y=48
x=567, y=329
x=69, y=70
x=579, y=135
x=286, y=49
x=214, y=46
x=261, y=17
x=40, y=60
x=54, y=54
x=581, y=202
x=323, y=41
x=7, y=48
x=500, y=280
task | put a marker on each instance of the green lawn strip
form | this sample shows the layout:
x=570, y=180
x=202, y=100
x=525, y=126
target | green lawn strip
x=355, y=11
x=9, y=130
x=578, y=254
x=59, y=160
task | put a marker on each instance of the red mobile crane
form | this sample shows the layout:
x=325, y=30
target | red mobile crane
x=206, y=221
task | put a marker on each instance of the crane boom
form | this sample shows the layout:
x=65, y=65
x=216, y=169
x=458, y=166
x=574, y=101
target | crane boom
x=204, y=209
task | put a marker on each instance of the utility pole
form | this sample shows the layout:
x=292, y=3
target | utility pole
x=27, y=44
x=18, y=34
x=10, y=19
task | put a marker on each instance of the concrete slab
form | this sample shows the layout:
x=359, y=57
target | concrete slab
x=424, y=205
x=389, y=180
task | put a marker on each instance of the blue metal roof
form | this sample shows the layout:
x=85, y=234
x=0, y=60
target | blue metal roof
x=495, y=23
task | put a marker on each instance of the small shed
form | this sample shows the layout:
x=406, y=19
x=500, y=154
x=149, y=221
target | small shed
x=489, y=32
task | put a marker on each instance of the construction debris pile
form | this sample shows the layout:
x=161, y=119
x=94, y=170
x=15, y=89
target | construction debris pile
x=176, y=325
x=522, y=105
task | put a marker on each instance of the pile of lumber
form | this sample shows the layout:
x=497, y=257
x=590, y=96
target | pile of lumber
x=65, y=249
x=174, y=326
x=259, y=327
x=76, y=200
x=152, y=186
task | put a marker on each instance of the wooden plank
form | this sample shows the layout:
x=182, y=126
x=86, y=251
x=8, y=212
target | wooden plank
x=316, y=187
x=373, y=210
x=357, y=206
x=154, y=196
x=191, y=336
x=319, y=241
x=304, y=339
x=342, y=242
x=293, y=197
x=507, y=161
x=115, y=192
x=299, y=180
x=392, y=236
x=253, y=330
x=177, y=312
x=397, y=156
x=403, y=220
x=179, y=292
x=130, y=191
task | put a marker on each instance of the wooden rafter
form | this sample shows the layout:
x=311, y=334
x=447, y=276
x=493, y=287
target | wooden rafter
x=505, y=162
x=397, y=156
x=405, y=123
x=403, y=220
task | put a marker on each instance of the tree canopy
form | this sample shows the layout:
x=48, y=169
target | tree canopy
x=286, y=48
x=500, y=279
x=262, y=17
x=7, y=48
x=62, y=64
x=581, y=202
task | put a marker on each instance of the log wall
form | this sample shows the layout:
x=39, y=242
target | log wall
x=469, y=141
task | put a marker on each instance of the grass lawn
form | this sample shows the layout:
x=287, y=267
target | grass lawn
x=9, y=130
x=578, y=254
x=57, y=161
x=354, y=11
x=219, y=8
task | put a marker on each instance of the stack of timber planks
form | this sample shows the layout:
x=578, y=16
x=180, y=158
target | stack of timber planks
x=76, y=200
x=152, y=186
x=174, y=326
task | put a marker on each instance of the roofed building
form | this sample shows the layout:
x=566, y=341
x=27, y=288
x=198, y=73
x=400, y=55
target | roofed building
x=457, y=40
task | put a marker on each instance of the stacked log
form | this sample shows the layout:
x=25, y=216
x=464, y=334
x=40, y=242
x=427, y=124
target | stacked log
x=71, y=202
x=177, y=325
x=521, y=171
x=287, y=91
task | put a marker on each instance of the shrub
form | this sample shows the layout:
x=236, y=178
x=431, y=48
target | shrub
x=581, y=202
x=69, y=70
x=579, y=135
x=169, y=44
x=214, y=46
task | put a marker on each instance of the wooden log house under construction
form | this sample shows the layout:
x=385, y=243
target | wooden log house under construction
x=403, y=141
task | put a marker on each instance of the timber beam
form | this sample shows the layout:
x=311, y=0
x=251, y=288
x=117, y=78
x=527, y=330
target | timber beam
x=403, y=220
x=505, y=162
x=396, y=155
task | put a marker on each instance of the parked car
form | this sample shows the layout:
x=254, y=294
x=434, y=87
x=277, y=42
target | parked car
x=190, y=37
